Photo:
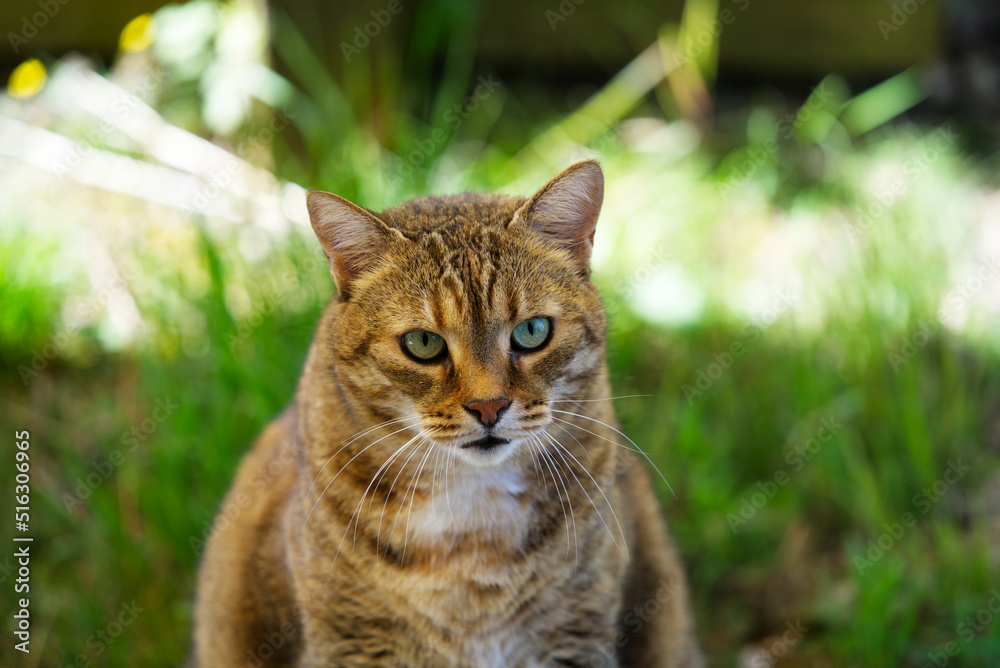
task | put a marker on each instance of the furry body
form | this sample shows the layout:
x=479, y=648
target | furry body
x=373, y=534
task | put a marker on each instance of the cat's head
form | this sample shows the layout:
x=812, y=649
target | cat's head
x=466, y=317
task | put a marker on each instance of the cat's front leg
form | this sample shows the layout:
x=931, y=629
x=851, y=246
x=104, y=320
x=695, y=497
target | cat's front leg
x=362, y=641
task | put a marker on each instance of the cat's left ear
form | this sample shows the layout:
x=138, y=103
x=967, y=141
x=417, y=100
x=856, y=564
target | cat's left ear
x=352, y=238
x=565, y=210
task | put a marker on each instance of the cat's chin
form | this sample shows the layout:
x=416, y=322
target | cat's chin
x=486, y=443
x=486, y=452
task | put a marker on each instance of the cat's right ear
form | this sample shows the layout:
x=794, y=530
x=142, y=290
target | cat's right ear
x=564, y=212
x=352, y=238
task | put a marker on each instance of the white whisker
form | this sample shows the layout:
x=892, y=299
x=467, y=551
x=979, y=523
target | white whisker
x=409, y=512
x=382, y=471
x=636, y=448
x=560, y=448
x=588, y=401
x=357, y=509
x=551, y=464
x=381, y=517
x=348, y=442
x=344, y=467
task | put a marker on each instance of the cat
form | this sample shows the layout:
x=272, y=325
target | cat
x=449, y=487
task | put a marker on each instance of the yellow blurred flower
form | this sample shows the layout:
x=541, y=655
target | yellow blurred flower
x=138, y=34
x=27, y=79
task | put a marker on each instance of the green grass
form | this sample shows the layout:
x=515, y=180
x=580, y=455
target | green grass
x=135, y=537
x=825, y=431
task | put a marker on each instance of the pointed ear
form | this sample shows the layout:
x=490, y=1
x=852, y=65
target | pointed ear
x=352, y=237
x=565, y=210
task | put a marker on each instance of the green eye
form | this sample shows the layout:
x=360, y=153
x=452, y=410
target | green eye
x=423, y=345
x=531, y=334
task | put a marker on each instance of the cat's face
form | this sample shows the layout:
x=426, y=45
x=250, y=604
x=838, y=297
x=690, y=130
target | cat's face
x=467, y=317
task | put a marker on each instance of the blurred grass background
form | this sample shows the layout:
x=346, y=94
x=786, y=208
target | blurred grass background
x=802, y=282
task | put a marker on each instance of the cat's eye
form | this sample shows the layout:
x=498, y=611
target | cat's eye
x=531, y=334
x=424, y=346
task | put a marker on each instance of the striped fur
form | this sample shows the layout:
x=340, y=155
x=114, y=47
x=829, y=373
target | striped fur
x=368, y=536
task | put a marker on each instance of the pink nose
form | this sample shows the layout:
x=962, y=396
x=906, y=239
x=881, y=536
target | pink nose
x=489, y=411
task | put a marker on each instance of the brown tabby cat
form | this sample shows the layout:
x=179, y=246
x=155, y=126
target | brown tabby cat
x=449, y=487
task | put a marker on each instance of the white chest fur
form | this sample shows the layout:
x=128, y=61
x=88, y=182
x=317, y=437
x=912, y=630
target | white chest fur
x=470, y=500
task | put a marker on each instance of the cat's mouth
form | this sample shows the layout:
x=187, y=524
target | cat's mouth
x=486, y=443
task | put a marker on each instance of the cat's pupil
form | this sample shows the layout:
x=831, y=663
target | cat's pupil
x=423, y=345
x=530, y=334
